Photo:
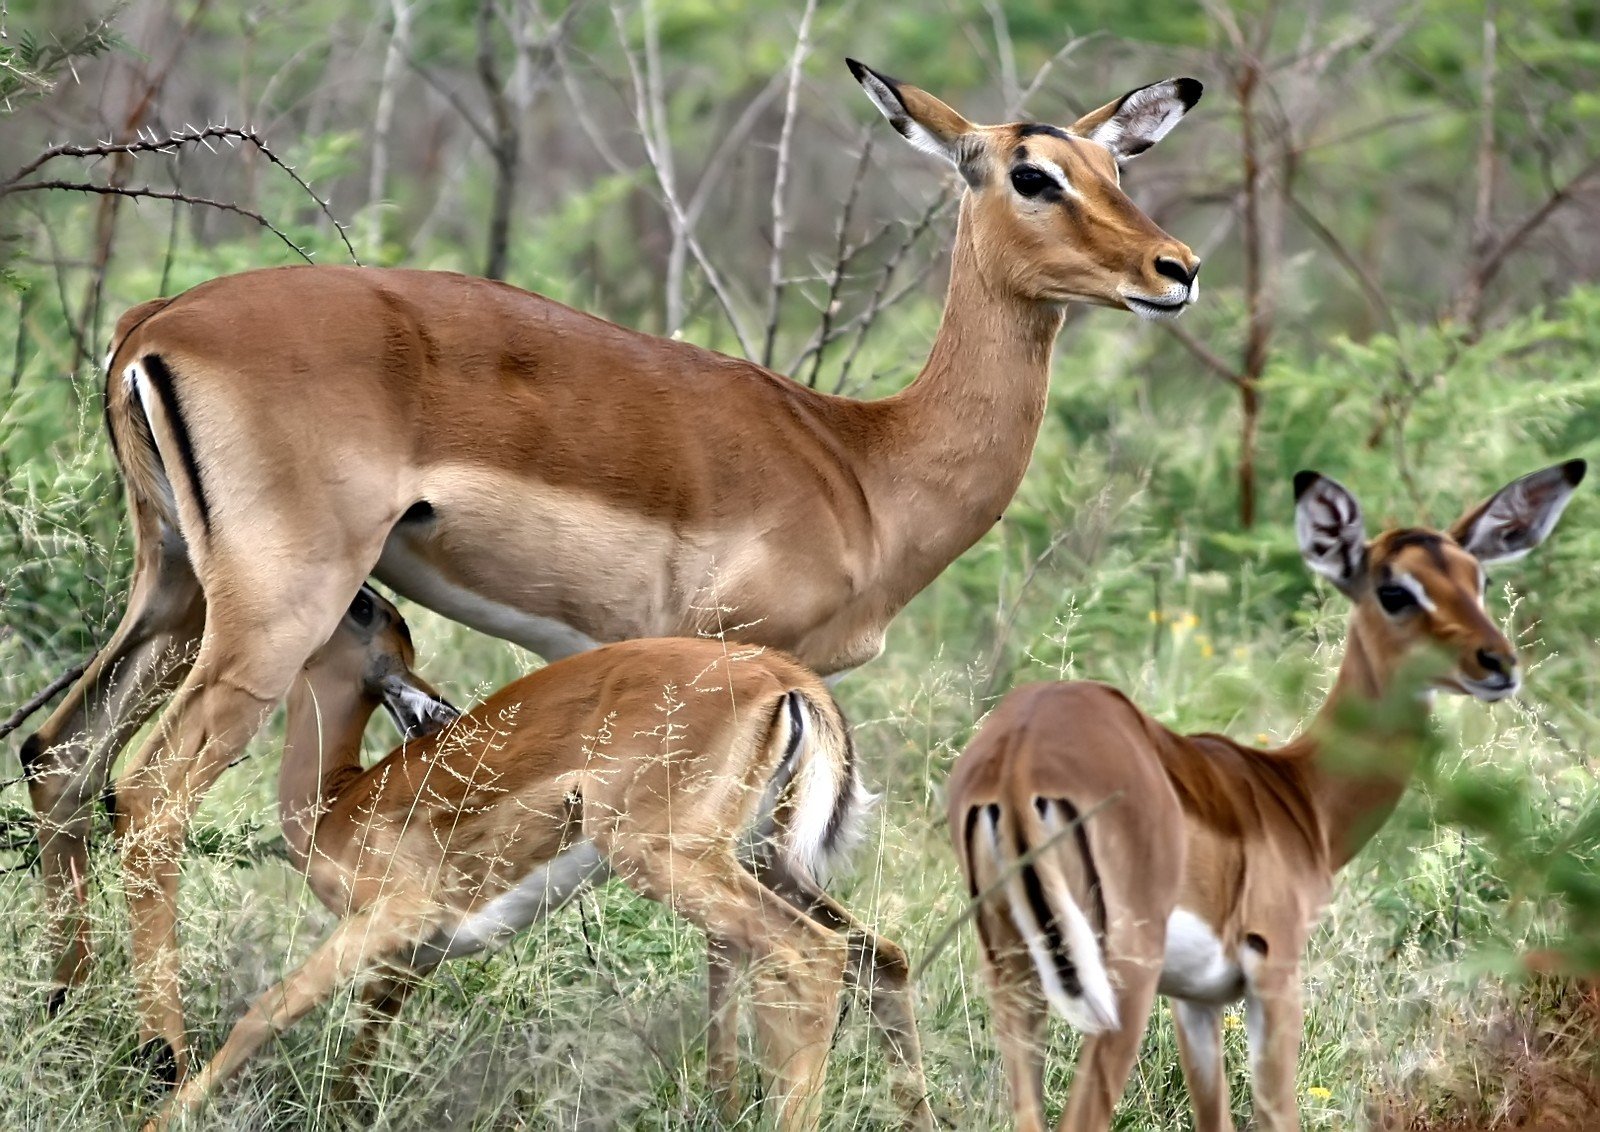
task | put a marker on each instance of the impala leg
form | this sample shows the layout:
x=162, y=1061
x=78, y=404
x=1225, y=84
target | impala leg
x=360, y=946
x=248, y=657
x=68, y=759
x=1199, y=1028
x=1273, y=1019
x=1020, y=1015
x=722, y=1030
x=797, y=967
x=1106, y=1059
x=380, y=1002
x=879, y=968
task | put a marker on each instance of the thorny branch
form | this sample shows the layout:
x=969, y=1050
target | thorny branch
x=167, y=146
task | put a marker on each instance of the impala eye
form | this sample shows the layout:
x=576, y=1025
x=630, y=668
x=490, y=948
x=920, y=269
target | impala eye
x=1029, y=181
x=1396, y=599
x=361, y=609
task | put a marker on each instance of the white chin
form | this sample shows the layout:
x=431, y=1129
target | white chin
x=1489, y=693
x=1152, y=312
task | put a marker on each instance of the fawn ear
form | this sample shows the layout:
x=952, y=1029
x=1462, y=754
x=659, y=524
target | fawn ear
x=1520, y=515
x=1140, y=118
x=924, y=121
x=1333, y=538
x=417, y=710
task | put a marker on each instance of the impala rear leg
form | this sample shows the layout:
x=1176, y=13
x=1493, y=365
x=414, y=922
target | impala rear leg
x=68, y=759
x=880, y=969
x=722, y=1030
x=248, y=656
x=1020, y=1014
x=796, y=966
x=1106, y=1059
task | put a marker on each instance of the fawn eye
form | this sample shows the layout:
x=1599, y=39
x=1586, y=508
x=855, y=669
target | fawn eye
x=1396, y=599
x=1029, y=181
x=361, y=609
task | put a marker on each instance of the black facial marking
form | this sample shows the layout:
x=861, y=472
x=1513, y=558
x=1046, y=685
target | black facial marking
x=161, y=378
x=1034, y=129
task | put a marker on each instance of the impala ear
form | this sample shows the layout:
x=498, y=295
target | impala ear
x=1140, y=118
x=1520, y=515
x=1333, y=538
x=924, y=121
x=417, y=710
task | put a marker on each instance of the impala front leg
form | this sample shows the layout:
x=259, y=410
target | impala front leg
x=1273, y=1019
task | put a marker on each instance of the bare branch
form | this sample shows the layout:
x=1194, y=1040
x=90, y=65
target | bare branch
x=17, y=718
x=780, y=182
x=168, y=145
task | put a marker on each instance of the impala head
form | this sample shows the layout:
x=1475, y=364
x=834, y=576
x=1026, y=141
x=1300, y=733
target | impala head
x=1415, y=585
x=371, y=649
x=1049, y=218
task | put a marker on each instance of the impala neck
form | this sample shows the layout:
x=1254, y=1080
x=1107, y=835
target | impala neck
x=321, y=753
x=1363, y=747
x=964, y=430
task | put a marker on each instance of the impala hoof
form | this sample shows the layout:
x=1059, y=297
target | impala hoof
x=159, y=1060
x=54, y=1001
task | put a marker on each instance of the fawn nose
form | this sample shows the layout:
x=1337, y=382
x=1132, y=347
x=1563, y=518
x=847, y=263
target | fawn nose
x=1177, y=270
x=1499, y=663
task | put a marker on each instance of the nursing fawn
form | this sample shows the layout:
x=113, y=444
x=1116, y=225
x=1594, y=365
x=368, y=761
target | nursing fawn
x=715, y=781
x=1195, y=867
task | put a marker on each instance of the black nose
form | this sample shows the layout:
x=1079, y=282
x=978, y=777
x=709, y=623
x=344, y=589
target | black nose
x=1496, y=663
x=1172, y=269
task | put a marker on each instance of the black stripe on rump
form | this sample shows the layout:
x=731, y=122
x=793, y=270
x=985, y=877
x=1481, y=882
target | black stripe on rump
x=161, y=378
x=1097, y=892
x=1065, y=969
x=847, y=786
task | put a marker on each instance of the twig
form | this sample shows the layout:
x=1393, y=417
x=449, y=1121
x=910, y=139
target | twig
x=780, y=182
x=841, y=262
x=167, y=146
x=159, y=194
x=17, y=718
x=876, y=303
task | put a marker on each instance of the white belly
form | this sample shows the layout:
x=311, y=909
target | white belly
x=412, y=576
x=538, y=894
x=1196, y=966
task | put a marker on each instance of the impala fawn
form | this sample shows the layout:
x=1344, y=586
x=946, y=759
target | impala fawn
x=717, y=783
x=1190, y=865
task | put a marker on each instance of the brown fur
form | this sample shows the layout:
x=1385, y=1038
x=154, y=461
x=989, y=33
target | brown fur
x=1246, y=840
x=613, y=483
x=659, y=754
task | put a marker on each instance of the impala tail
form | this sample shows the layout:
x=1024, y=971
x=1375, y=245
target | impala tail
x=1043, y=897
x=820, y=800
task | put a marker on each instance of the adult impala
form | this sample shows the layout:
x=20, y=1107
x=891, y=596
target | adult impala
x=656, y=761
x=1193, y=866
x=551, y=478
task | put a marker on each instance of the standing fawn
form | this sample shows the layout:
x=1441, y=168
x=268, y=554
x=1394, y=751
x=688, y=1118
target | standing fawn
x=1193, y=866
x=715, y=783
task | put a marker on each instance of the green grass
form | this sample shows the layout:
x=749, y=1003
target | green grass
x=1120, y=560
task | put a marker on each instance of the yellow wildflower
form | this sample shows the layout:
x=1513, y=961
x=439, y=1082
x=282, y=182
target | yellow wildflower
x=1155, y=617
x=1320, y=1093
x=1231, y=1022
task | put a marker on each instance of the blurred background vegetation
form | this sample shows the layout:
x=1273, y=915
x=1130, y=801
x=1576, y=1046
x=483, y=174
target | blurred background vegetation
x=1397, y=201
